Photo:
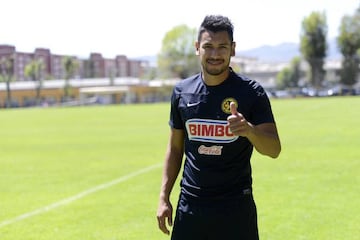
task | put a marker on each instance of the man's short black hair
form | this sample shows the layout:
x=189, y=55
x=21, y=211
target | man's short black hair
x=217, y=23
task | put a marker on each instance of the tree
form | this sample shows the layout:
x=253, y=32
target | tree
x=349, y=45
x=283, y=78
x=70, y=66
x=7, y=75
x=177, y=57
x=289, y=77
x=314, y=46
x=34, y=70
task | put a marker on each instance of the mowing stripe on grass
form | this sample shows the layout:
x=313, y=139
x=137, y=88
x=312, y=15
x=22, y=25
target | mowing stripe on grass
x=77, y=196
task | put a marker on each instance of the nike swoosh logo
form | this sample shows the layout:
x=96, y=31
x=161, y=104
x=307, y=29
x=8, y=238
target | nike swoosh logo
x=192, y=104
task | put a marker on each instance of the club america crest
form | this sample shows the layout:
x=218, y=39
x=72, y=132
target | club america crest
x=225, y=105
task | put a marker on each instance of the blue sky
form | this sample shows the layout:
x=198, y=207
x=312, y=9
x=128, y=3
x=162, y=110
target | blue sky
x=136, y=27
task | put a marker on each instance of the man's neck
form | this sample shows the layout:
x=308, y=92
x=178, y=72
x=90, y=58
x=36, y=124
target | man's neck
x=214, y=80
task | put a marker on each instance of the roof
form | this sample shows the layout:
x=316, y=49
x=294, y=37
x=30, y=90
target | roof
x=104, y=89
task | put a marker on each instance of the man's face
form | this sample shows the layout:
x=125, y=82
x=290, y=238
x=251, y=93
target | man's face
x=215, y=51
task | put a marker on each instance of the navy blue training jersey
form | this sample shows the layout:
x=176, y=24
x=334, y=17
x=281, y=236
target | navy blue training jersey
x=217, y=164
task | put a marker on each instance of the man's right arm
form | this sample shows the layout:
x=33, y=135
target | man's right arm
x=172, y=166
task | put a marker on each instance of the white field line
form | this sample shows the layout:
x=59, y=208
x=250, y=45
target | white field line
x=77, y=196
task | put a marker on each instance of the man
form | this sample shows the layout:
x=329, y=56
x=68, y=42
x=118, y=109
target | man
x=216, y=118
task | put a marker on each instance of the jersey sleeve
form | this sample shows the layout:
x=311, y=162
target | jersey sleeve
x=175, y=116
x=261, y=111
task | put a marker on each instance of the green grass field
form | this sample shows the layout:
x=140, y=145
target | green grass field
x=87, y=173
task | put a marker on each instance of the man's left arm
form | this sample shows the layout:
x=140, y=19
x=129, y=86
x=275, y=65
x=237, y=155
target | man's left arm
x=264, y=137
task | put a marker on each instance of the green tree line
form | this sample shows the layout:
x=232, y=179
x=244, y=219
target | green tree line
x=313, y=47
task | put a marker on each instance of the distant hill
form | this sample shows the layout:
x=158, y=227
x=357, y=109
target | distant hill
x=277, y=53
x=283, y=52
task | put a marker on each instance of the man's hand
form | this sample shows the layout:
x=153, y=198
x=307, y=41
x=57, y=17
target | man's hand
x=237, y=123
x=164, y=216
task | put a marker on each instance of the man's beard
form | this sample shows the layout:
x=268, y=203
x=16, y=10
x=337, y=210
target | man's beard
x=215, y=72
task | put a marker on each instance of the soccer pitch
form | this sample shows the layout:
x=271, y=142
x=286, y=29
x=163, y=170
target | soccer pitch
x=94, y=172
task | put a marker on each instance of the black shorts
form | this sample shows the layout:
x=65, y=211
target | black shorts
x=235, y=220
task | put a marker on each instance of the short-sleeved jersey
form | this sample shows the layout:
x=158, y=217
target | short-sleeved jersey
x=217, y=164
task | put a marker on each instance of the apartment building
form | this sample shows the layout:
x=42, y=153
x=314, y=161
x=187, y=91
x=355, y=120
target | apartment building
x=96, y=66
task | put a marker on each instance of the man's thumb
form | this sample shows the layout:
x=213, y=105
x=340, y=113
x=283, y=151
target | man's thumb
x=233, y=109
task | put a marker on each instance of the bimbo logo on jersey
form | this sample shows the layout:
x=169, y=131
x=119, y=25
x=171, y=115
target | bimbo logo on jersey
x=207, y=130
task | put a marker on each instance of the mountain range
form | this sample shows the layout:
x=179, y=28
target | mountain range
x=283, y=52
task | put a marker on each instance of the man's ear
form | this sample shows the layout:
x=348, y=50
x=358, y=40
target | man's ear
x=197, y=48
x=233, y=52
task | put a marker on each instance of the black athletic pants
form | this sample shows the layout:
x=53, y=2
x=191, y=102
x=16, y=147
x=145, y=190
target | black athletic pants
x=236, y=220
